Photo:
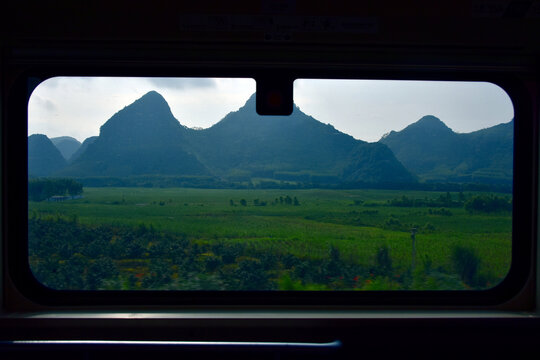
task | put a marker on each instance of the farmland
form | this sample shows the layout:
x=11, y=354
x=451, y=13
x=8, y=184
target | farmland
x=274, y=239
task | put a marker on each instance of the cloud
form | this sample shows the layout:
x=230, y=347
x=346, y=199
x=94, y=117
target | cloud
x=44, y=104
x=183, y=83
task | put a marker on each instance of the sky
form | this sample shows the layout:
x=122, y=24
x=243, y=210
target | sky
x=364, y=109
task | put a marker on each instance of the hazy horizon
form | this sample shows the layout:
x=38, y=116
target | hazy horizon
x=364, y=109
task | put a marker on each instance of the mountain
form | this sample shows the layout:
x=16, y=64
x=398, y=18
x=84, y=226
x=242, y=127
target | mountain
x=44, y=158
x=67, y=145
x=434, y=152
x=294, y=147
x=83, y=147
x=143, y=138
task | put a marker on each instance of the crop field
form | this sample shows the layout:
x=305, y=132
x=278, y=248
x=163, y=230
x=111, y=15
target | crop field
x=278, y=239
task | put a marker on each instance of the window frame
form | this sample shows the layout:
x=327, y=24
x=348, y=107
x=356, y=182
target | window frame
x=15, y=211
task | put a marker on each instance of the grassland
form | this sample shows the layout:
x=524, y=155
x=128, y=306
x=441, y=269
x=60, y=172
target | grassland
x=308, y=224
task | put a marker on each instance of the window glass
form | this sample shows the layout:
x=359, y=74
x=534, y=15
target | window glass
x=178, y=184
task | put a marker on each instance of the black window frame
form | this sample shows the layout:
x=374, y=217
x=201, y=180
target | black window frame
x=15, y=205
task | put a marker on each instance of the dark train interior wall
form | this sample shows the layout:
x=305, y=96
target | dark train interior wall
x=275, y=41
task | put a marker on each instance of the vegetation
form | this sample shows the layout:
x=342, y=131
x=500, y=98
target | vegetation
x=488, y=203
x=42, y=189
x=249, y=205
x=466, y=263
x=226, y=239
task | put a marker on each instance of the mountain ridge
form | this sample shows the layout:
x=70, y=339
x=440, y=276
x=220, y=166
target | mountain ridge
x=145, y=138
x=266, y=145
x=435, y=153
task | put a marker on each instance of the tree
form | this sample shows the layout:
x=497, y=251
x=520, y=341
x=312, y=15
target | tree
x=42, y=189
x=466, y=263
x=384, y=260
x=100, y=270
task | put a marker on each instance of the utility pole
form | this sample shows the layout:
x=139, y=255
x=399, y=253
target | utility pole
x=413, y=237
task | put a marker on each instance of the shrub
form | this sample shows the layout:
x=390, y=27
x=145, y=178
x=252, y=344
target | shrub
x=429, y=227
x=384, y=260
x=393, y=223
x=250, y=275
x=485, y=203
x=466, y=263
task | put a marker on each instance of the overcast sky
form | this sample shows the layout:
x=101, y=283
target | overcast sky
x=365, y=109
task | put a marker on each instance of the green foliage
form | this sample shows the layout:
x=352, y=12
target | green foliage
x=488, y=203
x=209, y=245
x=436, y=280
x=159, y=273
x=384, y=261
x=42, y=189
x=441, y=211
x=381, y=283
x=287, y=200
x=466, y=262
x=251, y=275
x=393, y=223
x=441, y=201
x=287, y=284
x=98, y=271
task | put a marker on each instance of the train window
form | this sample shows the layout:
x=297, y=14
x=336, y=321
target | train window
x=177, y=184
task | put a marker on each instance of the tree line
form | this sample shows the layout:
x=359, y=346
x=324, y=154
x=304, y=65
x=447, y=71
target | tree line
x=43, y=189
x=247, y=182
x=472, y=203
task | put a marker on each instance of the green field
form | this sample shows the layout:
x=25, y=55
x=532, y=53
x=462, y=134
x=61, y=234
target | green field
x=290, y=239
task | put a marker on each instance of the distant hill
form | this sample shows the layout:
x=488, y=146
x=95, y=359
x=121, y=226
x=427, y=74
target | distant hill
x=83, y=147
x=44, y=158
x=66, y=145
x=142, y=138
x=434, y=152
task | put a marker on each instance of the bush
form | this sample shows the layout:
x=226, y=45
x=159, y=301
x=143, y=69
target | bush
x=384, y=260
x=441, y=211
x=466, y=263
x=393, y=223
x=429, y=227
x=485, y=203
x=250, y=275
